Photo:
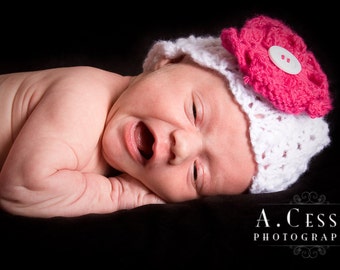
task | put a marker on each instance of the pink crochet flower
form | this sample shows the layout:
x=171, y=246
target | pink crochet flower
x=306, y=91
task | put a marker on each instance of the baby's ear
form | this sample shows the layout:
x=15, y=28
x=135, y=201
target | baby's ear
x=165, y=61
x=161, y=62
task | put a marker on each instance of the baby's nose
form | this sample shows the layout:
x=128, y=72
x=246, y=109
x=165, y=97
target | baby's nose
x=184, y=145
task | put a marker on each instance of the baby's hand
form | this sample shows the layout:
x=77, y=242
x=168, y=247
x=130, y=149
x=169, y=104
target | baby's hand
x=132, y=193
x=71, y=193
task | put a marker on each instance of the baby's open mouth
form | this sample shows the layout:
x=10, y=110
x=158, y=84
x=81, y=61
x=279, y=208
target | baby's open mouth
x=144, y=140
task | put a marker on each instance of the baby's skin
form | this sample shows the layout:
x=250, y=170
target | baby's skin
x=81, y=140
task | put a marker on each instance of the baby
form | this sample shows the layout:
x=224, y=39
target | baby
x=207, y=116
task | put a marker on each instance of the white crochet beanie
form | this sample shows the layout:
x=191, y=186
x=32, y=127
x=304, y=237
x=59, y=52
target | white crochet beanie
x=285, y=104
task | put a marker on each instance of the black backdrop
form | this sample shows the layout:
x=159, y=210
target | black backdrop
x=215, y=232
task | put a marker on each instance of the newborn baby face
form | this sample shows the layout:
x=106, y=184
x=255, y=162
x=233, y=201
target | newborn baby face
x=180, y=132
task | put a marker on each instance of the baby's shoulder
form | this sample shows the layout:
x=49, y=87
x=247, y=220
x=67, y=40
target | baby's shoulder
x=86, y=80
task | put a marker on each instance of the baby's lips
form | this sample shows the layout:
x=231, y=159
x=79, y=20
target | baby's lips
x=275, y=62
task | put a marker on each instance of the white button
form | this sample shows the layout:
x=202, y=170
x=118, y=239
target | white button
x=284, y=60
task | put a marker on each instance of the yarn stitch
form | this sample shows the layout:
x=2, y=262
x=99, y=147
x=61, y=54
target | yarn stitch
x=306, y=91
x=282, y=143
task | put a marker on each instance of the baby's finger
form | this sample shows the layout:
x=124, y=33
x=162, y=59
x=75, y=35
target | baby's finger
x=134, y=194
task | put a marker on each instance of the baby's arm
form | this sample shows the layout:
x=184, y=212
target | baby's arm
x=53, y=168
x=37, y=188
x=72, y=193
